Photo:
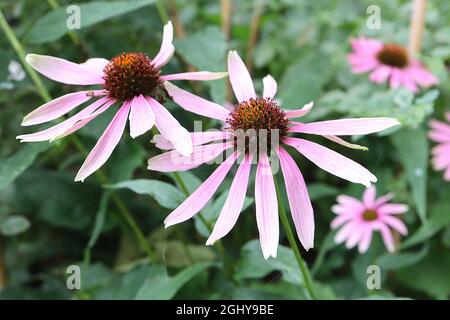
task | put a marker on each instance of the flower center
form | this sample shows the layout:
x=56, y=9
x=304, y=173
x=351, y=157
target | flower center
x=131, y=74
x=393, y=55
x=258, y=123
x=370, y=215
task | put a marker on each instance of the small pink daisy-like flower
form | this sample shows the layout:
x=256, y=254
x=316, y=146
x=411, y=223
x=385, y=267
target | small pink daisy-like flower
x=440, y=133
x=269, y=124
x=359, y=219
x=132, y=80
x=389, y=62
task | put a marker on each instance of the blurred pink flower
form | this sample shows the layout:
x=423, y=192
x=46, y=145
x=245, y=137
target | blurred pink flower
x=440, y=133
x=391, y=62
x=131, y=79
x=359, y=219
x=258, y=114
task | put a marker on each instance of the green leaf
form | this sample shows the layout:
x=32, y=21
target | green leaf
x=253, y=265
x=206, y=50
x=320, y=190
x=404, y=259
x=166, y=194
x=14, y=225
x=160, y=286
x=12, y=167
x=412, y=147
x=303, y=81
x=53, y=25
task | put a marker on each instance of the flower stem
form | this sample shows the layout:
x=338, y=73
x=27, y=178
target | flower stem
x=290, y=236
x=102, y=177
x=416, y=26
x=2, y=266
x=21, y=55
x=162, y=11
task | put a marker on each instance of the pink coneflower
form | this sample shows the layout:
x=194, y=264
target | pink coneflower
x=359, y=219
x=259, y=114
x=391, y=62
x=132, y=80
x=440, y=133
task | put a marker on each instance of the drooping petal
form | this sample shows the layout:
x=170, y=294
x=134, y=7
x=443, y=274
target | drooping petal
x=387, y=237
x=59, y=129
x=383, y=199
x=105, y=145
x=345, y=143
x=200, y=197
x=198, y=138
x=96, y=65
x=167, y=49
x=58, y=107
x=380, y=74
x=300, y=112
x=395, y=224
x=240, y=79
x=393, y=208
x=85, y=120
x=422, y=76
x=195, y=104
x=298, y=197
x=340, y=220
x=170, y=128
x=63, y=71
x=345, y=232
x=332, y=161
x=344, y=127
x=355, y=236
x=266, y=208
x=365, y=241
x=233, y=205
x=369, y=197
x=142, y=117
x=196, y=76
x=172, y=161
x=270, y=87
x=396, y=78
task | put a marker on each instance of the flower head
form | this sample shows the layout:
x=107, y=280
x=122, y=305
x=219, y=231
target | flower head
x=257, y=128
x=389, y=62
x=359, y=219
x=440, y=133
x=131, y=80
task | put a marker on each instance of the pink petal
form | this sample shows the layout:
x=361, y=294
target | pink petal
x=58, y=107
x=172, y=161
x=298, y=197
x=345, y=232
x=349, y=201
x=63, y=71
x=339, y=127
x=201, y=75
x=198, y=138
x=344, y=143
x=233, y=205
x=380, y=74
x=332, y=161
x=240, y=78
x=170, y=128
x=366, y=45
x=270, y=87
x=383, y=199
x=340, y=220
x=440, y=127
x=59, y=129
x=266, y=208
x=365, y=241
x=167, y=49
x=299, y=112
x=439, y=137
x=395, y=224
x=105, y=145
x=142, y=117
x=355, y=236
x=369, y=197
x=392, y=208
x=95, y=65
x=423, y=77
x=195, y=104
x=387, y=237
x=408, y=82
x=396, y=78
x=200, y=197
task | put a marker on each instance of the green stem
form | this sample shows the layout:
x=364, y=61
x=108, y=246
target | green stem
x=162, y=11
x=21, y=54
x=290, y=236
x=99, y=173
